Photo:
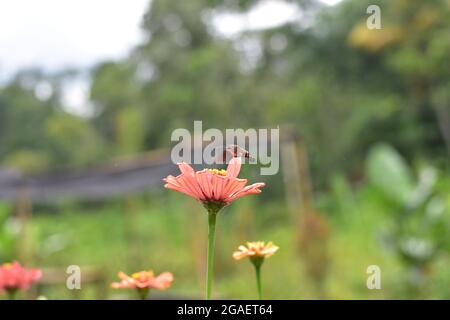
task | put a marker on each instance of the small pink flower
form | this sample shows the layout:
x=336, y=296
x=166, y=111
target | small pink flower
x=257, y=252
x=212, y=185
x=257, y=249
x=143, y=280
x=13, y=277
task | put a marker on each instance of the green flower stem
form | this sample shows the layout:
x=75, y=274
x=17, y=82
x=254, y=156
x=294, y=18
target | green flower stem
x=143, y=293
x=11, y=293
x=257, y=263
x=258, y=280
x=212, y=215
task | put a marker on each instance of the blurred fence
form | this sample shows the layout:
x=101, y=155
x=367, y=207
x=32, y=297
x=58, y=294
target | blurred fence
x=128, y=175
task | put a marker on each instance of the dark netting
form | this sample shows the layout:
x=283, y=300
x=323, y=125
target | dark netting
x=120, y=177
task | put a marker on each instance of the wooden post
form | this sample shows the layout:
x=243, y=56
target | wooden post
x=25, y=249
x=306, y=194
x=131, y=234
x=312, y=230
x=295, y=174
x=24, y=214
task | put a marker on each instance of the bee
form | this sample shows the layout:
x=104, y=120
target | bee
x=234, y=151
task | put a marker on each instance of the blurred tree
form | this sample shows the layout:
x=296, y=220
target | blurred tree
x=342, y=85
x=22, y=115
x=413, y=44
x=114, y=92
x=35, y=131
x=63, y=130
x=181, y=74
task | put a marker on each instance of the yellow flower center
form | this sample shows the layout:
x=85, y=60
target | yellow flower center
x=142, y=275
x=220, y=172
x=7, y=265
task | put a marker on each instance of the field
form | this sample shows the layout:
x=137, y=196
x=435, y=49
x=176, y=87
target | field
x=168, y=237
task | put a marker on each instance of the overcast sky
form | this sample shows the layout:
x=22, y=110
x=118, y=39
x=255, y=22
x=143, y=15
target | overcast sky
x=55, y=34
x=59, y=33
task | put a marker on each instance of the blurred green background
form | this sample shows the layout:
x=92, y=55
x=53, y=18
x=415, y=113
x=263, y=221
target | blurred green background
x=372, y=108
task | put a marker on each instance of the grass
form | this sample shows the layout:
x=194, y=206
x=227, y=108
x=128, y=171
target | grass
x=167, y=232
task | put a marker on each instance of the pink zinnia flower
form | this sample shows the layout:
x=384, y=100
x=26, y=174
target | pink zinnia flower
x=212, y=185
x=144, y=279
x=14, y=277
x=215, y=189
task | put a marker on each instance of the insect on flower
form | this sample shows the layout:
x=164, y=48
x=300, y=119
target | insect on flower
x=212, y=187
x=234, y=151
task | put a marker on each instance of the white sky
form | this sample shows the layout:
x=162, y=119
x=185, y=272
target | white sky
x=269, y=14
x=60, y=33
x=55, y=34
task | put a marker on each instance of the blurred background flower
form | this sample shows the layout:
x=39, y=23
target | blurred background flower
x=257, y=252
x=14, y=278
x=143, y=281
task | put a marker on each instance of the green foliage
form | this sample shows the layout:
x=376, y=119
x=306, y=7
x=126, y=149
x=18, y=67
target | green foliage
x=388, y=171
x=63, y=131
x=419, y=214
x=28, y=161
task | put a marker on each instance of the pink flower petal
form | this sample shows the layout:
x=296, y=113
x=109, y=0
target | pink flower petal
x=204, y=181
x=185, y=168
x=180, y=189
x=233, y=168
x=190, y=183
x=234, y=186
x=251, y=189
x=219, y=190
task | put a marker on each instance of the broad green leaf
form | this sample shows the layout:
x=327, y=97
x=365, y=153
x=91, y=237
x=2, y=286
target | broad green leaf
x=389, y=172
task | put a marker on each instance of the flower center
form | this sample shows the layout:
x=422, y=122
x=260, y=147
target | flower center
x=142, y=276
x=220, y=172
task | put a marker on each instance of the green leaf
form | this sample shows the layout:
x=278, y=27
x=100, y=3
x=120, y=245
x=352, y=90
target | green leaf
x=390, y=173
